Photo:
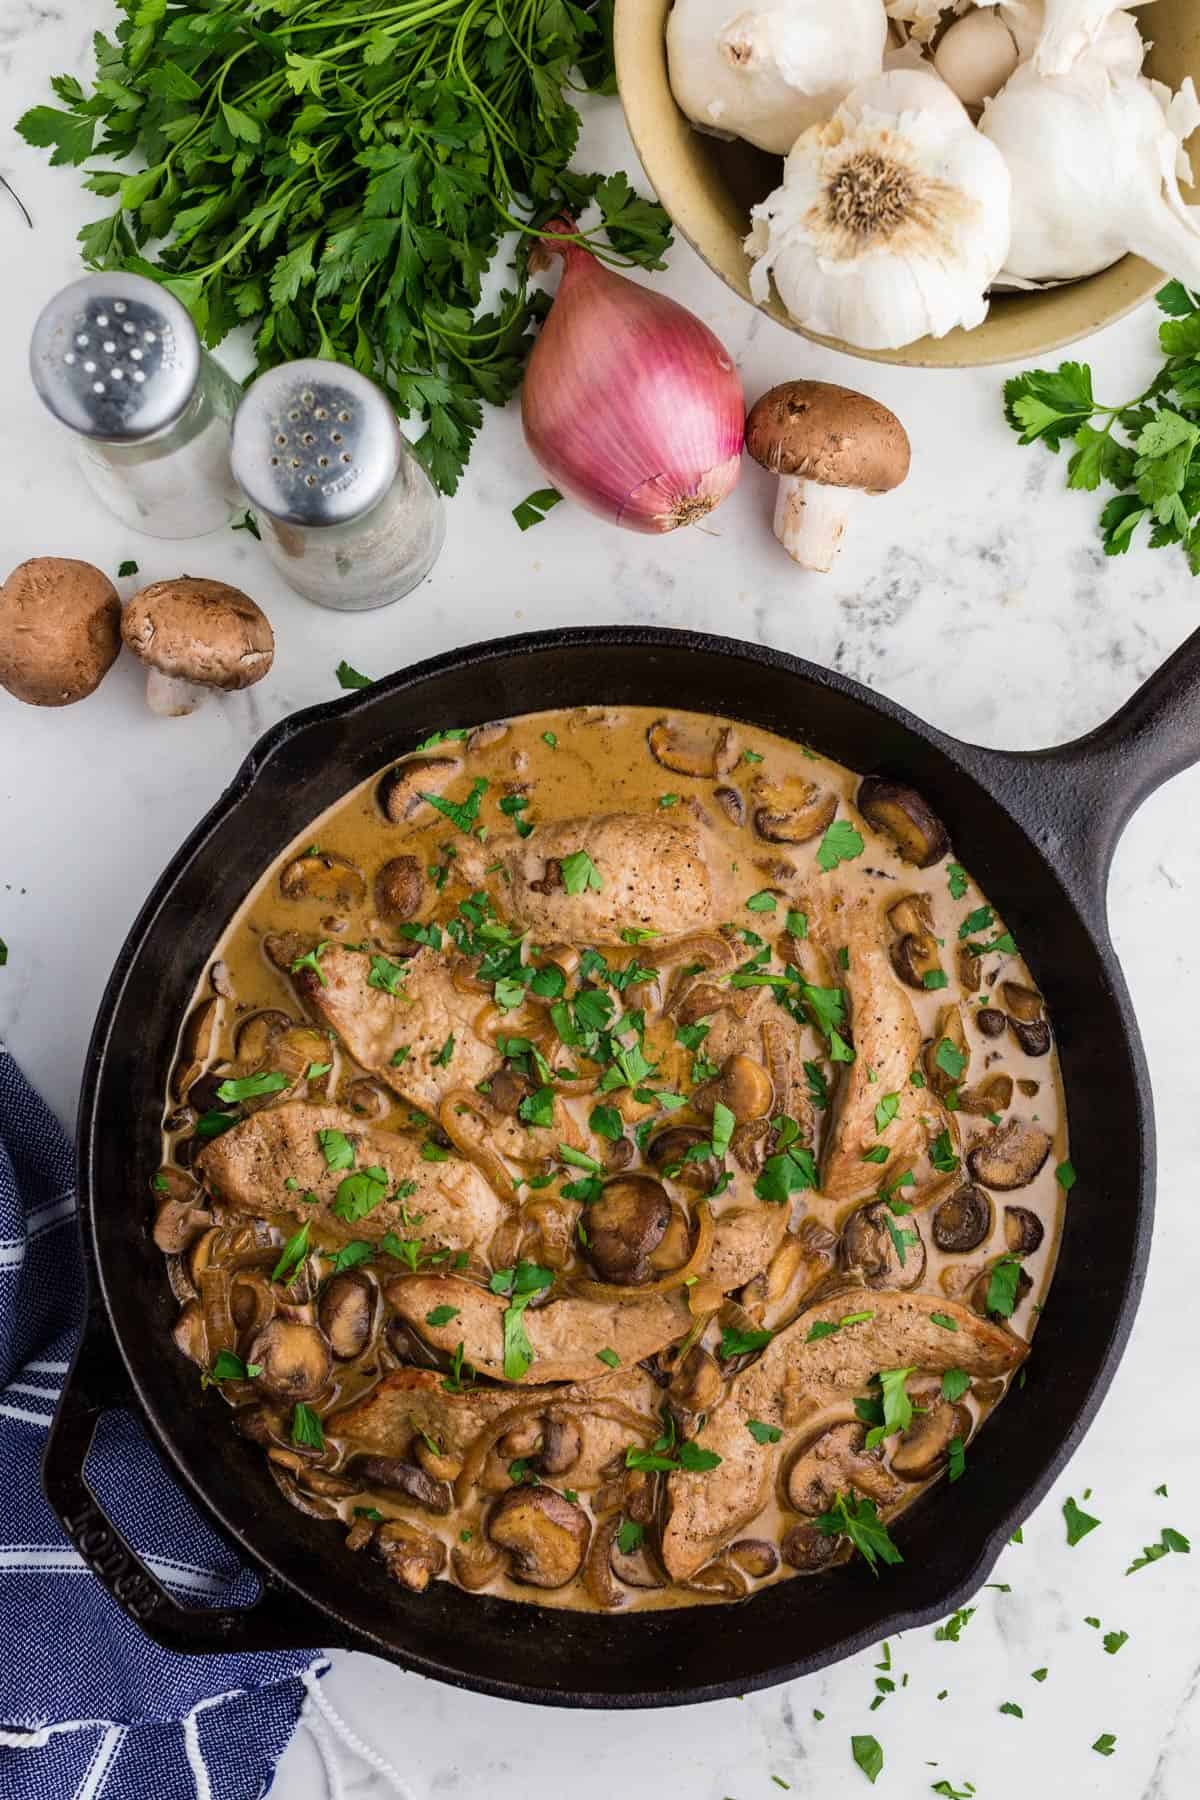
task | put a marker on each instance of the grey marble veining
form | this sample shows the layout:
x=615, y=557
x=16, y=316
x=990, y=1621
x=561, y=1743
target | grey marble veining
x=979, y=597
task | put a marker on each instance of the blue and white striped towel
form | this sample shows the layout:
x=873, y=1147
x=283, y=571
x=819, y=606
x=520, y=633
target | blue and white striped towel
x=90, y=1709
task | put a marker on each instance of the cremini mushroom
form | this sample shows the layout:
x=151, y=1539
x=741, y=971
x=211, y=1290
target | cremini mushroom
x=732, y=803
x=258, y=1034
x=805, y=1548
x=754, y=1556
x=1023, y=1230
x=899, y=811
x=1026, y=1016
x=345, y=1309
x=924, y=1447
x=294, y=1358
x=685, y=752
x=60, y=630
x=323, y=875
x=545, y=1534
x=885, y=1250
x=947, y=1055
x=825, y=443
x=1010, y=1156
x=194, y=634
x=195, y=1046
x=475, y=1566
x=400, y=888
x=963, y=1220
x=178, y=1223
x=399, y=792
x=401, y=1477
x=837, y=1463
x=562, y=1443
x=668, y=1150
x=696, y=1384
x=635, y=1566
x=410, y=1557
x=625, y=1225
x=914, y=952
x=795, y=816
x=742, y=1085
x=991, y=1095
x=991, y=1021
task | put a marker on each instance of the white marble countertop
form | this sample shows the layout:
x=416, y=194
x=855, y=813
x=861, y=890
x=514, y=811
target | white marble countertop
x=979, y=597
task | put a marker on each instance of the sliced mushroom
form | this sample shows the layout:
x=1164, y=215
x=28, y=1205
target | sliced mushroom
x=732, y=803
x=668, y=1151
x=963, y=1221
x=221, y=981
x=913, y=958
x=970, y=969
x=178, y=1223
x=625, y=1225
x=546, y=1535
x=196, y=1046
x=635, y=1567
x=696, y=1385
x=403, y=1478
x=323, y=875
x=1030, y=1089
x=912, y=915
x=400, y=888
x=1023, y=1003
x=811, y=815
x=883, y=1249
x=754, y=1556
x=718, y=1580
x=295, y=1359
x=258, y=1034
x=252, y=1300
x=686, y=754
x=411, y=1557
x=992, y=1095
x=438, y=1463
x=485, y=737
x=950, y=1030
x=836, y=1463
x=1023, y=1230
x=475, y=1568
x=400, y=791
x=982, y=1286
x=991, y=1021
x=743, y=1085
x=367, y=1099
x=1033, y=1039
x=1010, y=1156
x=898, y=810
x=189, y=1333
x=923, y=1448
x=805, y=1548
x=346, y=1305
x=282, y=948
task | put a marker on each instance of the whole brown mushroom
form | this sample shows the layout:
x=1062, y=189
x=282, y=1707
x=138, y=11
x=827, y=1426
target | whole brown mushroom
x=60, y=630
x=825, y=443
x=194, y=634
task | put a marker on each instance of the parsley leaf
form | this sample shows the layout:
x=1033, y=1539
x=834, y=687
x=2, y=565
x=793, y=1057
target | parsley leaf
x=306, y=1427
x=350, y=678
x=867, y=1754
x=533, y=509
x=580, y=873
x=857, y=1519
x=763, y=1434
x=1078, y=1522
x=841, y=843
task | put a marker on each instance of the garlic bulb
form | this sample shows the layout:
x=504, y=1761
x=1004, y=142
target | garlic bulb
x=892, y=219
x=1055, y=34
x=1096, y=164
x=770, y=71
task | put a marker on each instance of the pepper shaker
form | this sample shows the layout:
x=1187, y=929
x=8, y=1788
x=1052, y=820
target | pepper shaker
x=347, y=514
x=116, y=359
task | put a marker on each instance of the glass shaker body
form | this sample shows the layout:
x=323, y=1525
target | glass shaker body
x=116, y=359
x=347, y=513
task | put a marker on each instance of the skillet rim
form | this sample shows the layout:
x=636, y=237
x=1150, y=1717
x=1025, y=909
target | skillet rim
x=982, y=767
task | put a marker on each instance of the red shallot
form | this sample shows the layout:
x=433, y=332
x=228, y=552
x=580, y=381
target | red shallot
x=631, y=405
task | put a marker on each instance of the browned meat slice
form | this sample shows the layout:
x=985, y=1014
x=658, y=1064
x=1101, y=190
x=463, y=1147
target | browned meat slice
x=652, y=873
x=887, y=1040
x=746, y=1238
x=250, y=1165
x=409, y=1402
x=419, y=1019
x=567, y=1335
x=795, y=1382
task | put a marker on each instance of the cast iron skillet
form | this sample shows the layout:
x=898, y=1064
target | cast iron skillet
x=1038, y=831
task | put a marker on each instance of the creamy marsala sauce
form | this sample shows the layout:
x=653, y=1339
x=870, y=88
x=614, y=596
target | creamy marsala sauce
x=627, y=1181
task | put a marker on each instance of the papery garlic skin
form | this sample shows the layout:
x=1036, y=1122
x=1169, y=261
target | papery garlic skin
x=1042, y=33
x=766, y=73
x=892, y=220
x=921, y=18
x=1070, y=29
x=1095, y=165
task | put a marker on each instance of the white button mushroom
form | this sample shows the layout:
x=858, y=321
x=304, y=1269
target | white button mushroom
x=825, y=443
x=60, y=630
x=194, y=634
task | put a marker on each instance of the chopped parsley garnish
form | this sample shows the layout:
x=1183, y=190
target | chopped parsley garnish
x=1012, y=1709
x=548, y=737
x=229, y=1367
x=1002, y=1287
x=943, y=1155
x=315, y=1070
x=533, y=509
x=935, y=978
x=857, y=1519
x=399, y=1055
x=336, y=1148
x=1105, y=1744
x=610, y=1357
x=212, y=1124
x=251, y=1086
x=306, y=1427
x=405, y=1250
x=349, y=677
x=1079, y=1523
x=463, y=814
x=1038, y=1674
x=866, y=1752
x=979, y=920
x=580, y=873
x=956, y=1459
x=360, y=1193
x=958, y=880
x=955, y=1382
x=629, y=1536
x=607, y=1122
x=292, y=1255
x=902, y=1241
x=947, y=1324
x=312, y=960
x=667, y=800
x=740, y=1343
x=386, y=975
x=841, y=843
x=818, y=1087
x=520, y=1284
x=763, y=1434
x=949, y=1059
x=1065, y=1176
x=431, y=1152
x=829, y=1327
x=762, y=902
x=1170, y=1540
x=952, y=1630
x=1003, y=942
x=461, y=1374
x=790, y=1171
x=896, y=1406
x=350, y=1255
x=441, y=1315
x=1113, y=1640
x=885, y=1111
x=442, y=1059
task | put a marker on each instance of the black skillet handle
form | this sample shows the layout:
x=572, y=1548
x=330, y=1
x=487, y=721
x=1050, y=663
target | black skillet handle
x=1075, y=800
x=279, y=1620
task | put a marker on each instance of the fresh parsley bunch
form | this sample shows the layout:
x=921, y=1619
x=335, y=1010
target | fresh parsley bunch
x=1146, y=448
x=341, y=173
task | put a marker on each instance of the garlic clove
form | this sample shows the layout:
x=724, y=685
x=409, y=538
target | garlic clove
x=976, y=56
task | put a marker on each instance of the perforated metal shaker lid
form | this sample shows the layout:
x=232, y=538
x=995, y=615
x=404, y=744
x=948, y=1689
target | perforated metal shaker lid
x=115, y=357
x=315, y=443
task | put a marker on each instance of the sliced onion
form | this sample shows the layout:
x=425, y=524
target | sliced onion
x=460, y=1102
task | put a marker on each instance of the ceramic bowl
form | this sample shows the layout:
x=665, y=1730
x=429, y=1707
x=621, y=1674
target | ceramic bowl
x=708, y=188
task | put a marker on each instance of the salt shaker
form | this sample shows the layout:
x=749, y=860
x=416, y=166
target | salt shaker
x=117, y=361
x=347, y=514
